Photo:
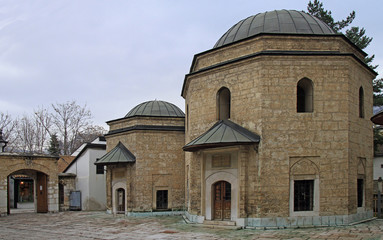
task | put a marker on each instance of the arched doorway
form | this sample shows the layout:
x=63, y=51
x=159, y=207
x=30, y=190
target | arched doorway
x=120, y=200
x=27, y=191
x=222, y=200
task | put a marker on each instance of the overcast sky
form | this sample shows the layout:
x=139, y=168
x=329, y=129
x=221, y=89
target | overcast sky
x=113, y=55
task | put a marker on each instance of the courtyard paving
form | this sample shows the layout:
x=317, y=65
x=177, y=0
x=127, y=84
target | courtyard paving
x=99, y=225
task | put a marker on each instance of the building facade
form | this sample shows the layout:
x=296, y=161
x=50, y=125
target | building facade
x=278, y=129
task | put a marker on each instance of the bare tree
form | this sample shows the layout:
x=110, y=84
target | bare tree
x=26, y=134
x=8, y=125
x=69, y=120
x=88, y=134
x=43, y=122
x=32, y=134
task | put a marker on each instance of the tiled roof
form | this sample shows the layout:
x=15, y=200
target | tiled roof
x=64, y=162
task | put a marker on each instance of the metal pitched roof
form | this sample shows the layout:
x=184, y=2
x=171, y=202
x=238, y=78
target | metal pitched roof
x=223, y=133
x=378, y=118
x=119, y=154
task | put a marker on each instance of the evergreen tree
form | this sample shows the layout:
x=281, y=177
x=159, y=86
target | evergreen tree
x=54, y=145
x=355, y=34
x=316, y=9
x=378, y=95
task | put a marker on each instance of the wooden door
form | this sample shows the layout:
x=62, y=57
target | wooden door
x=41, y=192
x=222, y=201
x=8, y=197
x=120, y=200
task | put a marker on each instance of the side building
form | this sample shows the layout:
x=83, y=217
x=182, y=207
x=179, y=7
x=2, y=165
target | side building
x=83, y=176
x=144, y=160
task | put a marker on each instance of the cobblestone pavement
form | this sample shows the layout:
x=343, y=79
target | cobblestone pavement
x=99, y=225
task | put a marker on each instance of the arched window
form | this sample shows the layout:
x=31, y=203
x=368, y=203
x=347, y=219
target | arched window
x=305, y=94
x=187, y=117
x=361, y=102
x=223, y=103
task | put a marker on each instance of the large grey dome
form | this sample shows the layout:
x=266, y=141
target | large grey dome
x=278, y=21
x=156, y=109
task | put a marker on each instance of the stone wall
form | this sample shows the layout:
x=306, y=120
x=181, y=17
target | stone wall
x=68, y=182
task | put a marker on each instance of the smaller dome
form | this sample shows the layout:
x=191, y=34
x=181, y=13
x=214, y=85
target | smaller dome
x=156, y=109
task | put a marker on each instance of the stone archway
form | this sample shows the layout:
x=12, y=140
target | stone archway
x=29, y=190
x=44, y=172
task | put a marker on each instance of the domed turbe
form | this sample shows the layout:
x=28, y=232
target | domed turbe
x=156, y=109
x=278, y=21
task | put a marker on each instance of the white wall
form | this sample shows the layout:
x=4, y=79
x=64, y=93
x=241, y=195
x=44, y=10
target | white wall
x=97, y=182
x=91, y=185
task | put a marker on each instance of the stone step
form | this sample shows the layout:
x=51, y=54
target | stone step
x=220, y=225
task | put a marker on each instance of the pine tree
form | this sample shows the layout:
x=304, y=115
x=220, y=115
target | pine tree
x=54, y=148
x=355, y=34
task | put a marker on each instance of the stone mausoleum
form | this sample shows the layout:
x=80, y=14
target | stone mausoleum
x=276, y=132
x=145, y=161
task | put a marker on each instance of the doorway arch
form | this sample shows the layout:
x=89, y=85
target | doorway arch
x=222, y=201
x=28, y=188
x=120, y=200
x=209, y=193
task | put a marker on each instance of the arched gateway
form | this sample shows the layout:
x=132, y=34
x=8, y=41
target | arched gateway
x=28, y=178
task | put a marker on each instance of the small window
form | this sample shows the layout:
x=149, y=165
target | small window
x=361, y=102
x=162, y=199
x=187, y=117
x=303, y=195
x=61, y=193
x=99, y=169
x=360, y=190
x=223, y=103
x=305, y=96
x=381, y=165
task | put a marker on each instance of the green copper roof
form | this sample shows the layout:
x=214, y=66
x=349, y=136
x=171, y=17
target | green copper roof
x=278, y=21
x=119, y=154
x=156, y=109
x=223, y=133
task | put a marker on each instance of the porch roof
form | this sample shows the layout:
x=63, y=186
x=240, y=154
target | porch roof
x=378, y=118
x=119, y=154
x=223, y=133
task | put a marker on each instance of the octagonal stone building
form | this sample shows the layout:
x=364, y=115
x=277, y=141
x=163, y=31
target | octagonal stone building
x=144, y=162
x=277, y=127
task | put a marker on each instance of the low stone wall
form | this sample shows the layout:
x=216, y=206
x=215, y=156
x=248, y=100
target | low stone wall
x=294, y=222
